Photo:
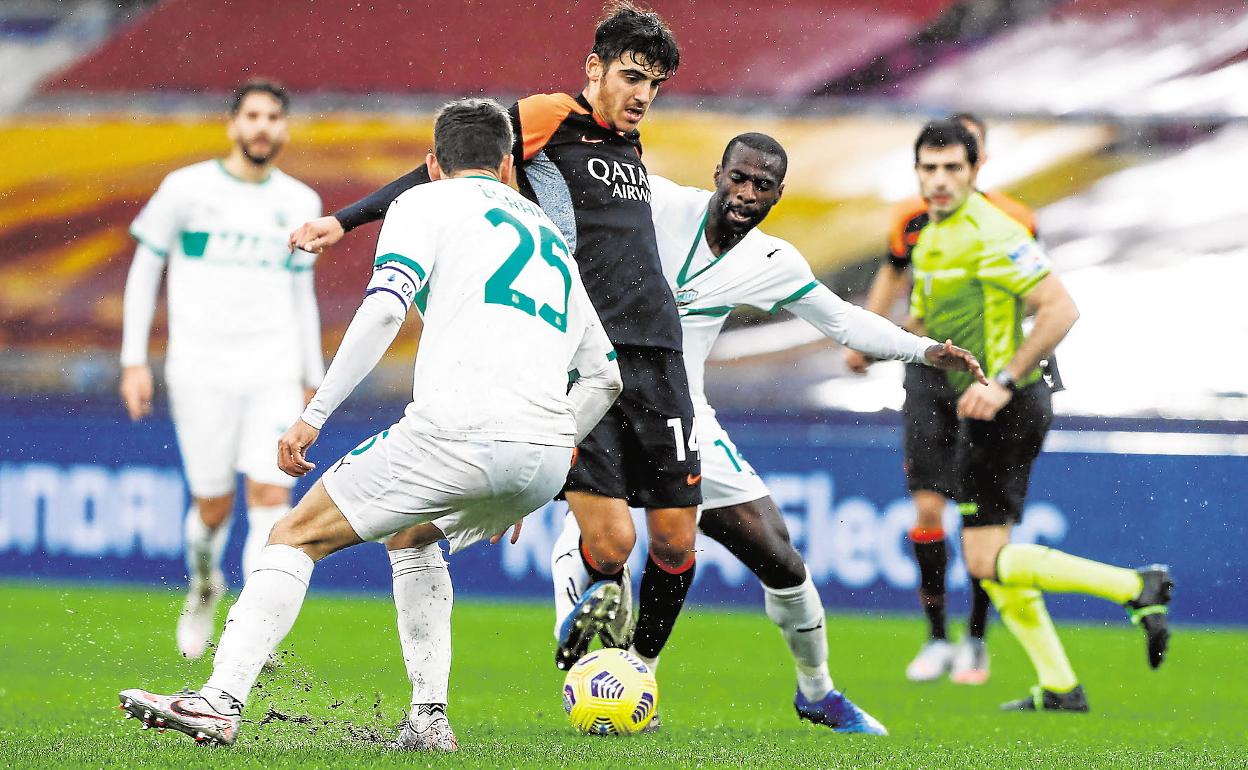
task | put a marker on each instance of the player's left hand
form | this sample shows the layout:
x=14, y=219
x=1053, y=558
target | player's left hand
x=951, y=357
x=293, y=445
x=982, y=402
x=515, y=534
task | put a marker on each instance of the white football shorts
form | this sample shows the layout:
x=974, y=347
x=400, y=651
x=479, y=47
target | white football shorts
x=471, y=490
x=727, y=479
x=222, y=431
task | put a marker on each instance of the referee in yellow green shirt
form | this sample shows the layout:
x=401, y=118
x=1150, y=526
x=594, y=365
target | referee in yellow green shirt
x=977, y=273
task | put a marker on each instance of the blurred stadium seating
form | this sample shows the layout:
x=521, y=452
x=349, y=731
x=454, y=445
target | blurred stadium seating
x=83, y=162
x=1124, y=122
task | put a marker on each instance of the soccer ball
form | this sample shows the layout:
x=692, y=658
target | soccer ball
x=610, y=692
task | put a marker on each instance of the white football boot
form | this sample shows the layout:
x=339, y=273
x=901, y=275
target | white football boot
x=932, y=662
x=618, y=631
x=427, y=729
x=205, y=720
x=970, y=662
x=197, y=621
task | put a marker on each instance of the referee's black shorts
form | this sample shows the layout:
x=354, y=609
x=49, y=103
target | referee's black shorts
x=984, y=465
x=640, y=451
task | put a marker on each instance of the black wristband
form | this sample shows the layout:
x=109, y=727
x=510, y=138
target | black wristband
x=1006, y=379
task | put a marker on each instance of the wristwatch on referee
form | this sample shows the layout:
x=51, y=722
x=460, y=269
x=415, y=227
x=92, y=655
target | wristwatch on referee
x=1005, y=379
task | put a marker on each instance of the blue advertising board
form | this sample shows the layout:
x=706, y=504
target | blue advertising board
x=85, y=495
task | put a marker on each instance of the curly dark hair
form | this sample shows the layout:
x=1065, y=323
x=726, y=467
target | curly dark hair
x=627, y=28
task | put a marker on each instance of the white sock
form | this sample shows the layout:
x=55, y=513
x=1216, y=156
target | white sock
x=260, y=521
x=423, y=596
x=798, y=611
x=260, y=619
x=204, y=547
x=651, y=663
x=567, y=570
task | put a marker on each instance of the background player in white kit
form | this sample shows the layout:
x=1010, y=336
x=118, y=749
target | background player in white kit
x=716, y=261
x=244, y=335
x=489, y=434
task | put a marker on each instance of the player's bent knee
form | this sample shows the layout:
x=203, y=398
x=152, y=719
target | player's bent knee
x=214, y=511
x=981, y=566
x=315, y=526
x=671, y=555
x=609, y=557
x=418, y=536
x=259, y=494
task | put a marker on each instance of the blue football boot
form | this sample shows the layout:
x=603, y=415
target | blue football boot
x=839, y=713
x=597, y=607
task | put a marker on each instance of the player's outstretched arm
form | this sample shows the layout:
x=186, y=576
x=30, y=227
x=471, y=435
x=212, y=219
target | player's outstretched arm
x=371, y=331
x=950, y=357
x=325, y=231
x=308, y=318
x=138, y=308
x=292, y=449
x=886, y=288
x=593, y=395
x=859, y=329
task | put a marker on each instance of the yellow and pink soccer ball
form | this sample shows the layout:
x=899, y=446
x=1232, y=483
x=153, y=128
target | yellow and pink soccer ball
x=610, y=692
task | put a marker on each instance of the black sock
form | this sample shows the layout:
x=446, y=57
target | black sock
x=977, y=621
x=933, y=557
x=596, y=576
x=662, y=595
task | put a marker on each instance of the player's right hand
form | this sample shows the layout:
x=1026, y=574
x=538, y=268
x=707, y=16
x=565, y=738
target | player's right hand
x=293, y=445
x=136, y=390
x=857, y=362
x=316, y=235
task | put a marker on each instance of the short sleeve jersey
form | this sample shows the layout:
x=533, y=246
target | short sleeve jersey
x=506, y=317
x=910, y=217
x=231, y=276
x=760, y=271
x=971, y=273
x=591, y=181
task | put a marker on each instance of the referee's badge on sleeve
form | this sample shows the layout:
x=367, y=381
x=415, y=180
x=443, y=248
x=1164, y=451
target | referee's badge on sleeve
x=1029, y=258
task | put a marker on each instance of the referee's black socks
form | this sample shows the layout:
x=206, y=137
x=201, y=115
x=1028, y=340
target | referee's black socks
x=932, y=554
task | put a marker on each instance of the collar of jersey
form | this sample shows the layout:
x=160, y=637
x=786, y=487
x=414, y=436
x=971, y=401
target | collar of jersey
x=632, y=137
x=682, y=277
x=226, y=171
x=965, y=211
x=480, y=176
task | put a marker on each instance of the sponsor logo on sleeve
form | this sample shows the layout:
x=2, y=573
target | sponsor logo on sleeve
x=1029, y=258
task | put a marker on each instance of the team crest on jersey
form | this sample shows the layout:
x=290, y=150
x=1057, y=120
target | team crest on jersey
x=1029, y=257
x=685, y=296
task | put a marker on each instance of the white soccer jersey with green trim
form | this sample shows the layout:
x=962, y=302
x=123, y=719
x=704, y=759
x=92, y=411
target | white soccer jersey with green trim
x=506, y=318
x=232, y=280
x=761, y=271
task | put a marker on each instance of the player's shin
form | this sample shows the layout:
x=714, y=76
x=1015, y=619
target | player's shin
x=1051, y=570
x=1023, y=612
x=663, y=592
x=568, y=571
x=977, y=620
x=204, y=546
x=260, y=619
x=423, y=597
x=260, y=521
x=799, y=613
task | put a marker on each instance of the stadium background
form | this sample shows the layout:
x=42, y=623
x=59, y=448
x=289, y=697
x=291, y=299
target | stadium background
x=1125, y=123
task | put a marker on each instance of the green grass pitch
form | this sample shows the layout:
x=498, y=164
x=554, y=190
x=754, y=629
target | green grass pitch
x=726, y=694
